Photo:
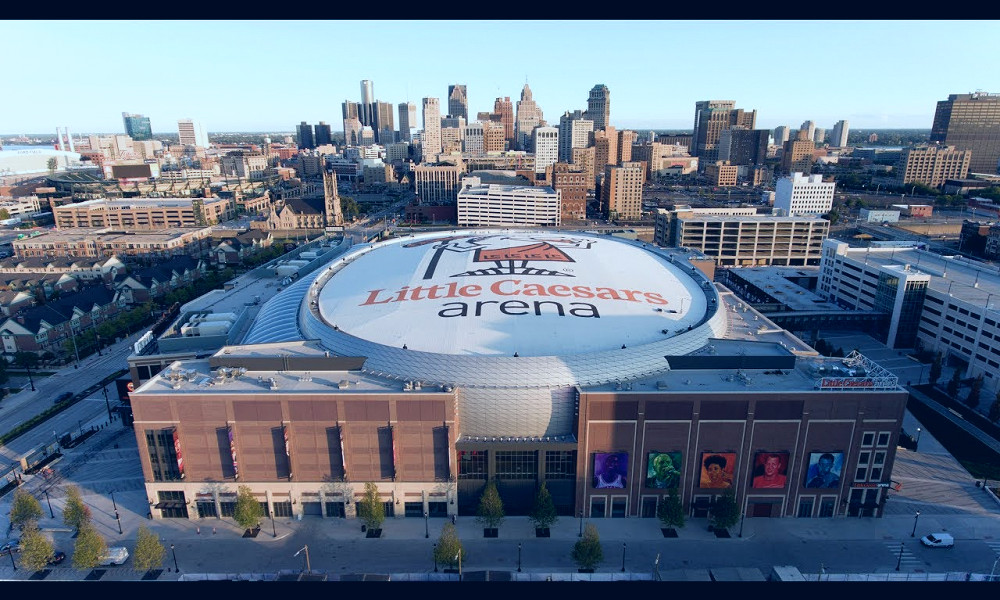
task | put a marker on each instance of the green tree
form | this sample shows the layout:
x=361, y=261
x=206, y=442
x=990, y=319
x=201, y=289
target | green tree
x=248, y=512
x=935, y=373
x=587, y=552
x=972, y=400
x=833, y=216
x=490, y=510
x=371, y=509
x=956, y=380
x=25, y=359
x=76, y=514
x=148, y=550
x=994, y=414
x=24, y=509
x=671, y=511
x=543, y=513
x=36, y=550
x=4, y=213
x=52, y=164
x=725, y=511
x=449, y=547
x=90, y=547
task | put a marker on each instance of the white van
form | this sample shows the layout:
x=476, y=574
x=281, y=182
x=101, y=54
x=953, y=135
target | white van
x=938, y=540
x=115, y=556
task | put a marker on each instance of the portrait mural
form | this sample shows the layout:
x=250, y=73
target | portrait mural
x=824, y=470
x=610, y=469
x=717, y=469
x=770, y=470
x=663, y=470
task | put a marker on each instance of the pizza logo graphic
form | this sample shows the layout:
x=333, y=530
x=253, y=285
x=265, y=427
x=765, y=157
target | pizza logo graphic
x=507, y=260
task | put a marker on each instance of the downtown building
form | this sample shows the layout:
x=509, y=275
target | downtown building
x=800, y=194
x=932, y=165
x=492, y=205
x=711, y=118
x=524, y=357
x=971, y=122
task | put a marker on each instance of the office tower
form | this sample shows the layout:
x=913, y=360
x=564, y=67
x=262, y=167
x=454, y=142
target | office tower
x=545, y=141
x=351, y=111
x=305, y=135
x=529, y=116
x=819, y=135
x=504, y=111
x=137, y=127
x=621, y=191
x=625, y=140
x=599, y=106
x=430, y=141
x=838, y=138
x=583, y=160
x=407, y=119
x=571, y=183
x=367, y=136
x=574, y=132
x=493, y=137
x=458, y=102
x=781, y=135
x=711, y=118
x=367, y=113
x=473, y=139
x=352, y=131
x=810, y=128
x=605, y=143
x=384, y=127
x=971, y=122
x=192, y=133
x=800, y=194
x=798, y=154
x=743, y=147
x=932, y=165
x=322, y=135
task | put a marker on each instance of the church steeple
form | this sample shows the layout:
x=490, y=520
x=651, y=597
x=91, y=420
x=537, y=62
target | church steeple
x=334, y=213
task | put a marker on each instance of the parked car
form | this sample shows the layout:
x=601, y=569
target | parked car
x=57, y=557
x=938, y=540
x=10, y=547
x=63, y=397
x=115, y=556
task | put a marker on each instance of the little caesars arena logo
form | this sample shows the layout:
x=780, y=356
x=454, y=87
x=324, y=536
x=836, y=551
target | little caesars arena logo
x=531, y=278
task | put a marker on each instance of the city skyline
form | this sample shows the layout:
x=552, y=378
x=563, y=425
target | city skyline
x=654, y=80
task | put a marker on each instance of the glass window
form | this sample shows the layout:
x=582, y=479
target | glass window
x=560, y=464
x=472, y=464
x=868, y=439
x=282, y=509
x=876, y=474
x=864, y=458
x=861, y=474
x=883, y=439
x=516, y=464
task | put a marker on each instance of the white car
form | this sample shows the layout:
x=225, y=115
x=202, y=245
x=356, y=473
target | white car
x=938, y=540
x=115, y=556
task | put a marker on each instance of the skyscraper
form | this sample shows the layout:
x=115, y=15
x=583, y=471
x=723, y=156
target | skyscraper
x=505, y=110
x=367, y=112
x=192, y=133
x=599, y=106
x=743, y=147
x=781, y=135
x=137, y=127
x=458, y=101
x=546, y=147
x=407, y=119
x=810, y=128
x=384, y=126
x=574, y=132
x=323, y=134
x=529, y=116
x=838, y=138
x=971, y=122
x=305, y=135
x=430, y=141
x=711, y=117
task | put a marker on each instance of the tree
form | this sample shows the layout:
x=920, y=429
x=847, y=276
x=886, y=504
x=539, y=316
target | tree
x=994, y=414
x=371, y=510
x=490, y=510
x=76, y=514
x=90, y=547
x=449, y=547
x=25, y=359
x=935, y=373
x=36, y=550
x=4, y=213
x=543, y=513
x=956, y=380
x=52, y=164
x=148, y=551
x=725, y=512
x=587, y=552
x=248, y=512
x=972, y=400
x=833, y=216
x=671, y=511
x=25, y=509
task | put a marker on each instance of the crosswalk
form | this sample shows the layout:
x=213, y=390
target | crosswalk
x=907, y=559
x=995, y=547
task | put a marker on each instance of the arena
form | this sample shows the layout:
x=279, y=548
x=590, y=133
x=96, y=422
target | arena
x=433, y=363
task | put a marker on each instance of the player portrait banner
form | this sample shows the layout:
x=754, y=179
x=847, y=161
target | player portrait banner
x=177, y=452
x=717, y=470
x=610, y=470
x=663, y=470
x=824, y=470
x=232, y=452
x=770, y=470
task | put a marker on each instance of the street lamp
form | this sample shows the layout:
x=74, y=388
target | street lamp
x=11, y=554
x=915, y=517
x=51, y=514
x=917, y=441
x=623, y=557
x=270, y=513
x=174, y=552
x=426, y=532
x=899, y=561
x=306, y=550
x=30, y=380
x=435, y=557
x=458, y=557
x=581, y=524
x=519, y=557
x=76, y=353
x=119, y=519
x=107, y=402
x=113, y=501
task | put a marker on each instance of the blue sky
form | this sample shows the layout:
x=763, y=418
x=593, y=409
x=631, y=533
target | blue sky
x=269, y=75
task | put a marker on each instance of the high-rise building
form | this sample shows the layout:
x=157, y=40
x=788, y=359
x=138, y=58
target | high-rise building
x=192, y=133
x=504, y=109
x=798, y=154
x=571, y=183
x=137, y=127
x=583, y=159
x=493, y=137
x=437, y=184
x=458, y=101
x=810, y=128
x=621, y=191
x=322, y=135
x=352, y=131
x=574, y=132
x=529, y=116
x=384, y=127
x=605, y=142
x=304, y=135
x=485, y=205
x=367, y=112
x=545, y=141
x=800, y=194
x=743, y=147
x=819, y=135
x=781, y=135
x=971, y=122
x=711, y=118
x=352, y=113
x=932, y=165
x=407, y=119
x=599, y=106
x=625, y=140
x=472, y=142
x=430, y=141
x=838, y=138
